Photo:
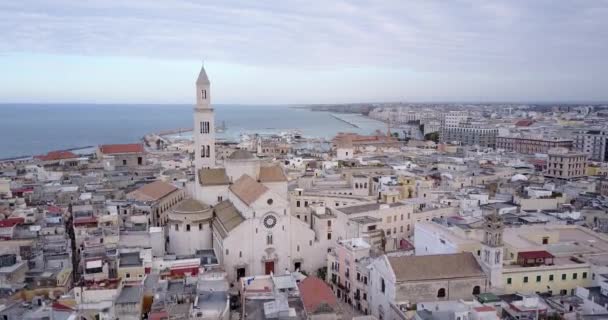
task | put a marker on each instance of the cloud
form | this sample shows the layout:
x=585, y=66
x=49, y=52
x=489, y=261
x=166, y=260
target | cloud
x=428, y=36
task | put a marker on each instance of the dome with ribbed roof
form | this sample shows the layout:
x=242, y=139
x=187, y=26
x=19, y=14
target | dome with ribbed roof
x=241, y=154
x=191, y=210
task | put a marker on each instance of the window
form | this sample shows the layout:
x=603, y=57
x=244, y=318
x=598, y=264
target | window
x=128, y=275
x=550, y=277
x=204, y=94
x=441, y=293
x=329, y=223
x=538, y=278
x=329, y=236
x=269, y=201
x=140, y=161
x=382, y=285
x=509, y=280
x=545, y=240
x=563, y=276
x=220, y=198
x=187, y=227
x=584, y=275
x=298, y=203
x=476, y=290
x=269, y=239
x=574, y=276
x=208, y=152
x=124, y=162
x=176, y=227
x=525, y=279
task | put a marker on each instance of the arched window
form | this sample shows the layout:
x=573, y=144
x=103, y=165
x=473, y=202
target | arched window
x=441, y=293
x=476, y=290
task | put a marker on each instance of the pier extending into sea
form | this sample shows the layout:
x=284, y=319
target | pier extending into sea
x=344, y=120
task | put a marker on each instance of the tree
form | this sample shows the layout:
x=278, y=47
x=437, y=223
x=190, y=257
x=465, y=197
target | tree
x=322, y=273
x=433, y=136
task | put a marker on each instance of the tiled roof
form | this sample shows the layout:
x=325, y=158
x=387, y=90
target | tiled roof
x=247, y=189
x=57, y=155
x=11, y=222
x=152, y=191
x=272, y=174
x=434, y=267
x=213, y=177
x=227, y=216
x=121, y=148
x=316, y=295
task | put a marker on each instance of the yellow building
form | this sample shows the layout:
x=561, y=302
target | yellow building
x=540, y=258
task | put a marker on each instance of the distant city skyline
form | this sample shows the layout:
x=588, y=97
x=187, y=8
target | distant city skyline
x=303, y=52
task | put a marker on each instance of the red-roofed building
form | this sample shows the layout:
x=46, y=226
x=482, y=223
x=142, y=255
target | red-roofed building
x=130, y=155
x=524, y=122
x=317, y=297
x=534, y=258
x=54, y=156
x=7, y=227
x=109, y=149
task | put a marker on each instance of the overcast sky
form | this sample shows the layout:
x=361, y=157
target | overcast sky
x=309, y=51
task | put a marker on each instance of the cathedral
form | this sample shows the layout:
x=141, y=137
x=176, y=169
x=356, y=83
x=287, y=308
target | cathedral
x=251, y=229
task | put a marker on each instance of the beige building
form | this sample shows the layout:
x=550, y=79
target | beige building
x=531, y=145
x=564, y=164
x=161, y=196
x=540, y=258
x=397, y=283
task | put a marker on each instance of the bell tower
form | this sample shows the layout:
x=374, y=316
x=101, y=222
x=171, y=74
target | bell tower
x=492, y=249
x=204, y=125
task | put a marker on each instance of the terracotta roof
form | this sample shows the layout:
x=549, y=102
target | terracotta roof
x=11, y=222
x=213, y=177
x=541, y=254
x=432, y=267
x=317, y=296
x=227, y=216
x=247, y=189
x=121, y=148
x=272, y=174
x=241, y=154
x=484, y=309
x=524, y=122
x=57, y=155
x=152, y=191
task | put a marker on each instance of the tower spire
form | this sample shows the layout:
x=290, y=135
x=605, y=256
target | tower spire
x=202, y=76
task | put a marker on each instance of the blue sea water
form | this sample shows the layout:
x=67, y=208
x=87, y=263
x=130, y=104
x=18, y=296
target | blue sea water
x=28, y=129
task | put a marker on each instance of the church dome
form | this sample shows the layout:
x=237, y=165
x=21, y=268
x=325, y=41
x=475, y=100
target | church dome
x=241, y=154
x=519, y=177
x=190, y=206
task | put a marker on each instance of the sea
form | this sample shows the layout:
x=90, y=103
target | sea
x=31, y=129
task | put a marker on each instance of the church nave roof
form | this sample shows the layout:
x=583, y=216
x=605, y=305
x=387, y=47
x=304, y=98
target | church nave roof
x=227, y=216
x=247, y=189
x=213, y=177
x=272, y=174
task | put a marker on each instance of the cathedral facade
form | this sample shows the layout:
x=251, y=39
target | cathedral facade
x=252, y=229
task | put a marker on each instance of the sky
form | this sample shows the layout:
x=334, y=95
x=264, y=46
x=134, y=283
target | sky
x=301, y=52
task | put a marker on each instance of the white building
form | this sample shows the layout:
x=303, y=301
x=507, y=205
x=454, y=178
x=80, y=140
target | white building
x=253, y=230
x=189, y=228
